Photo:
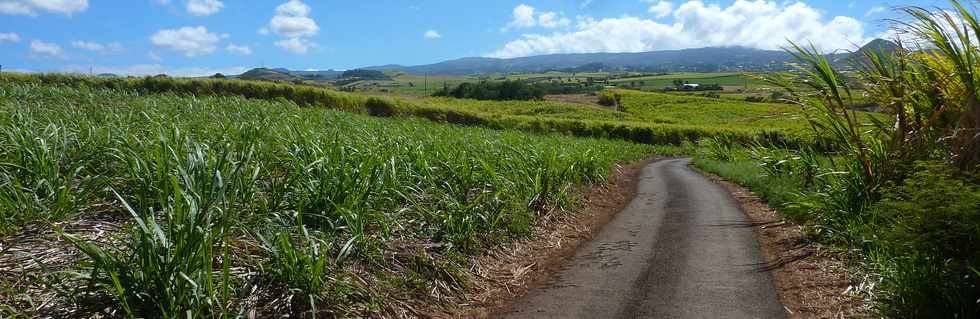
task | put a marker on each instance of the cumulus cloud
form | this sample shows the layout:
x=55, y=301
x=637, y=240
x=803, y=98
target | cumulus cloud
x=204, y=7
x=432, y=34
x=295, y=45
x=525, y=16
x=32, y=7
x=661, y=8
x=47, y=49
x=552, y=20
x=291, y=20
x=239, y=50
x=758, y=24
x=293, y=24
x=154, y=69
x=192, y=41
x=9, y=37
x=97, y=47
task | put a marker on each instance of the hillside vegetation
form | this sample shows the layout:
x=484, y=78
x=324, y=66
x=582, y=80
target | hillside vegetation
x=648, y=117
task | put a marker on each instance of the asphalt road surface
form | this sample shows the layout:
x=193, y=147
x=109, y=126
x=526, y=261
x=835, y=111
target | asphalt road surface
x=681, y=249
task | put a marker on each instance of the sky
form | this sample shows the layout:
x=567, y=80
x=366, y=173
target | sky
x=203, y=37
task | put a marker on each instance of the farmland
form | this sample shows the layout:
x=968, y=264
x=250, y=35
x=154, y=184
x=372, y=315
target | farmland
x=408, y=84
x=647, y=117
x=420, y=85
x=130, y=200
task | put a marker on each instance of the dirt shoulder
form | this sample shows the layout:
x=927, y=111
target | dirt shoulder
x=508, y=271
x=812, y=280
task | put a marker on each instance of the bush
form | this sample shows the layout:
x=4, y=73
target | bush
x=609, y=98
x=505, y=90
x=930, y=226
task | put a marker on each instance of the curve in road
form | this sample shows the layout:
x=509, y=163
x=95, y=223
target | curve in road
x=681, y=249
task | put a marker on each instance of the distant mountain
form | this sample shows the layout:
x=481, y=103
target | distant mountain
x=688, y=60
x=280, y=74
x=268, y=75
x=320, y=74
x=880, y=45
x=701, y=60
x=715, y=59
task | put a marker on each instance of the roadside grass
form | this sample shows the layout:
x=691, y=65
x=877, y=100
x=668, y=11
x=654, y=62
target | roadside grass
x=777, y=191
x=232, y=205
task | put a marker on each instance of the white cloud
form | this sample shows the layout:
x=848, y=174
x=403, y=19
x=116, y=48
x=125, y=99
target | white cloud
x=9, y=37
x=239, y=50
x=293, y=8
x=98, y=47
x=661, y=8
x=875, y=10
x=295, y=45
x=292, y=23
x=758, y=24
x=291, y=20
x=552, y=20
x=525, y=16
x=154, y=69
x=204, y=7
x=46, y=49
x=192, y=41
x=291, y=27
x=432, y=34
x=31, y=7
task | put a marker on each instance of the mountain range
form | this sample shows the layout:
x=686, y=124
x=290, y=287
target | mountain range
x=712, y=59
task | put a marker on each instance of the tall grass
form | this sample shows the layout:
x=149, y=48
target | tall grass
x=644, y=118
x=904, y=191
x=207, y=183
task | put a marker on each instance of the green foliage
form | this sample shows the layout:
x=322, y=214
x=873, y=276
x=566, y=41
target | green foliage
x=201, y=173
x=504, y=91
x=365, y=75
x=167, y=270
x=931, y=221
x=897, y=189
x=648, y=118
x=609, y=98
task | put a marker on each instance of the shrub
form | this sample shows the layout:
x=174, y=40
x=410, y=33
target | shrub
x=505, y=90
x=609, y=98
x=930, y=226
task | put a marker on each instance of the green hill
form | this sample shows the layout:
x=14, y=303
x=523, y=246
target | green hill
x=263, y=74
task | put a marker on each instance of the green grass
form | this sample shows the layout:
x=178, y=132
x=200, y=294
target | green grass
x=643, y=121
x=409, y=84
x=777, y=190
x=223, y=194
x=661, y=81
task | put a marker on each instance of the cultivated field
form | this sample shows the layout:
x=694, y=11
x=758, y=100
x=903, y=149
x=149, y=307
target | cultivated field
x=165, y=205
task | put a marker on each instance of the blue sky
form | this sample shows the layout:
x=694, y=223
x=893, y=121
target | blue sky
x=198, y=37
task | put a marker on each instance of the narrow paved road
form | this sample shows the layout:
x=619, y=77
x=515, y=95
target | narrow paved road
x=681, y=249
